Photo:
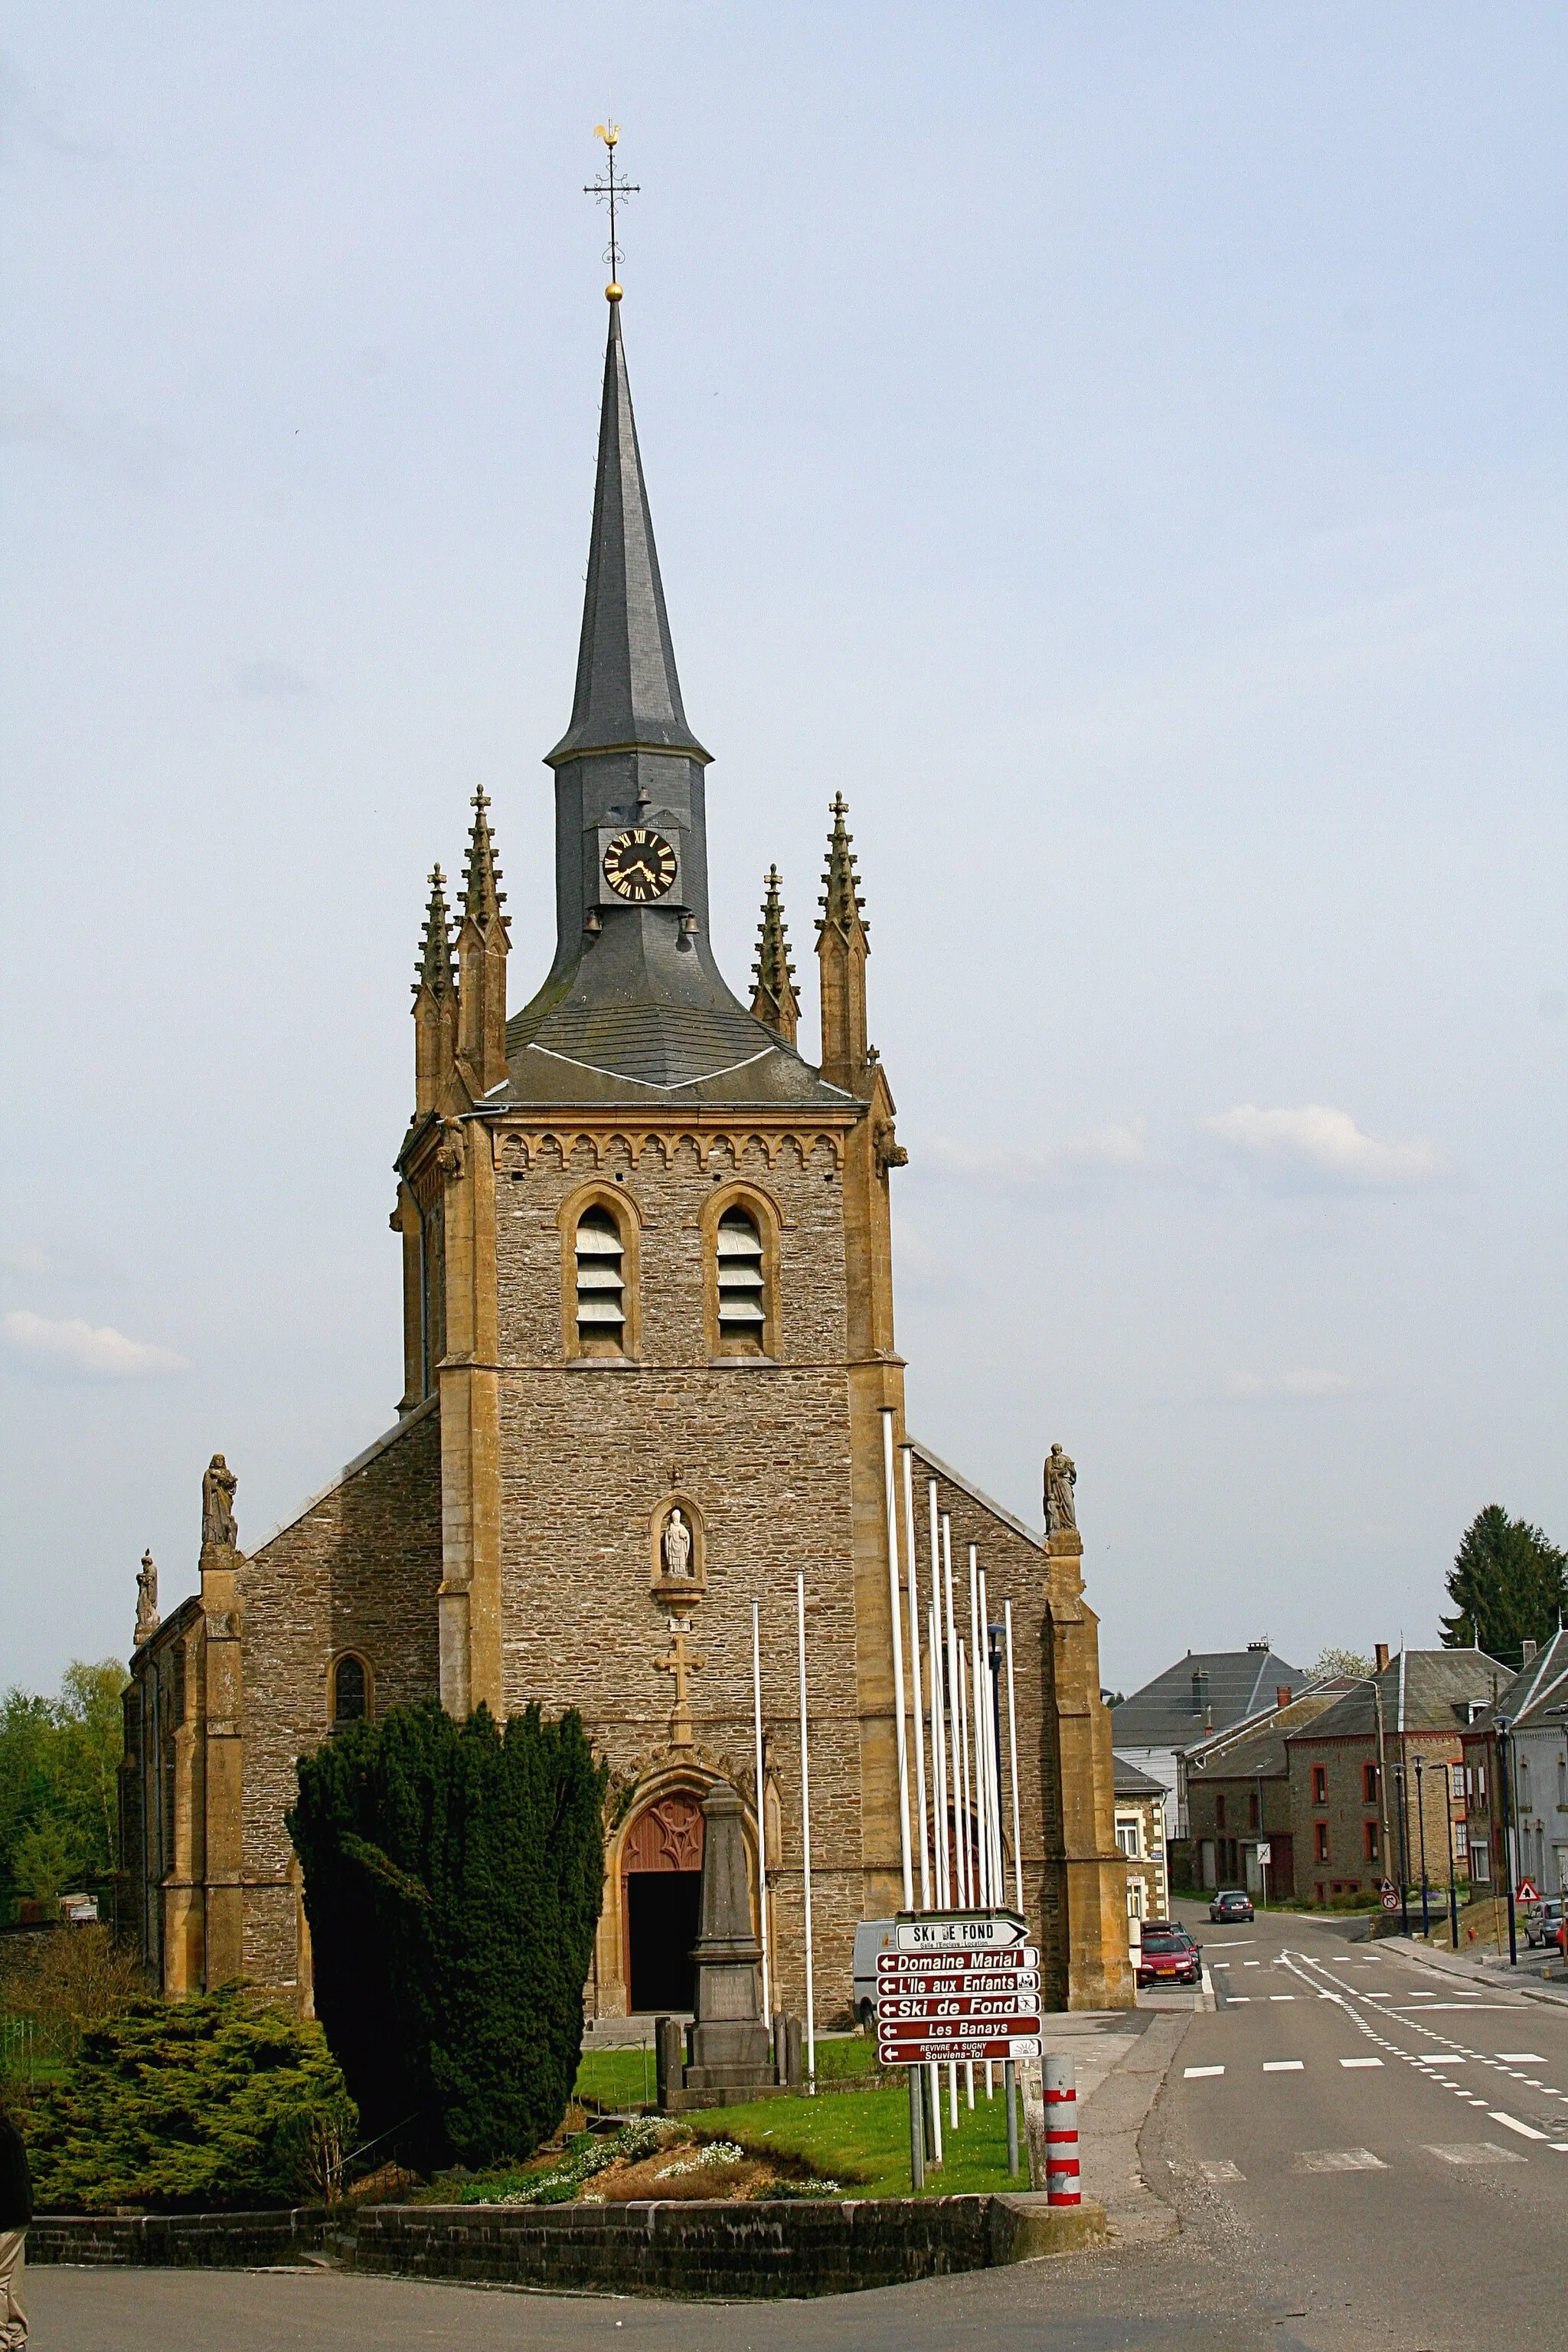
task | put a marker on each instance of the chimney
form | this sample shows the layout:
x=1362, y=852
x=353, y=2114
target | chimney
x=1282, y=1694
x=1530, y=1649
x=1381, y=1656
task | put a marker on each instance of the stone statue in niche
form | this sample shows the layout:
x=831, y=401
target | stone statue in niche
x=1061, y=1478
x=677, y=1545
x=218, y=1485
x=146, y=1599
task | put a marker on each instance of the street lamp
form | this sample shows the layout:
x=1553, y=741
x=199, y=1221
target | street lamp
x=1449, y=1771
x=1421, y=1826
x=1403, y=1855
x=1503, y=1728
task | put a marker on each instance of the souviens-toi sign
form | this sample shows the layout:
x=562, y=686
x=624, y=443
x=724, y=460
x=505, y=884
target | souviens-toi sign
x=958, y=1985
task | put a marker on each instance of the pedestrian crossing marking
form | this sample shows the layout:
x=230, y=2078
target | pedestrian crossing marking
x=1339, y=2160
x=1475, y=2151
x=1284, y=2065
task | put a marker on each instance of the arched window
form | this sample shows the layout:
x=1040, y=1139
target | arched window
x=601, y=1284
x=349, y=1692
x=742, y=1320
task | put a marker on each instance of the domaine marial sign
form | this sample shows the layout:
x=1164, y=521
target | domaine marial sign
x=958, y=1985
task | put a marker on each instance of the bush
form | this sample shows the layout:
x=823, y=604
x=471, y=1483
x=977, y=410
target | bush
x=453, y=1879
x=190, y=2105
x=63, y=1982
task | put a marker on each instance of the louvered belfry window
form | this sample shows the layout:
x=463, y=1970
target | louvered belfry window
x=601, y=1284
x=742, y=1320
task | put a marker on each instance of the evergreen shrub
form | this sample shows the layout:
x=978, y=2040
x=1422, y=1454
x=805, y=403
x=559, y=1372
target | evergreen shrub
x=453, y=1873
x=221, y=2102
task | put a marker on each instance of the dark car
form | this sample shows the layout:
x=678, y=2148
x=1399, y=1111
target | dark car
x=1168, y=1956
x=1232, y=1903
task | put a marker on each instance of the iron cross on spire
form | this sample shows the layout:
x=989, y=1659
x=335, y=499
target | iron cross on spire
x=610, y=190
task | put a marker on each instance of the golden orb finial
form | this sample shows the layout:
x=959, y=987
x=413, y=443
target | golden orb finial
x=612, y=292
x=609, y=189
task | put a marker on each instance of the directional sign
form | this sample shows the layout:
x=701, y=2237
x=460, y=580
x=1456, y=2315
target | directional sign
x=957, y=2004
x=1017, y=1957
x=1527, y=1893
x=958, y=1931
x=937, y=1984
x=949, y=2049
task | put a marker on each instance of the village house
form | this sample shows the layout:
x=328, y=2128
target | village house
x=1532, y=1707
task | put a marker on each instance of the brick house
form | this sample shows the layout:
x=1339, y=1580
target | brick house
x=1206, y=1691
x=1534, y=1703
x=1374, y=1780
x=649, y=1363
x=1140, y=1836
x=1237, y=1795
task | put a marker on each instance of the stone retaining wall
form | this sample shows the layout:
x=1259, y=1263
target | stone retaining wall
x=720, y=2248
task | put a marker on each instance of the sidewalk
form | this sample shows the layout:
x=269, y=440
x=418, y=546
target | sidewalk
x=1113, y=2110
x=1522, y=1981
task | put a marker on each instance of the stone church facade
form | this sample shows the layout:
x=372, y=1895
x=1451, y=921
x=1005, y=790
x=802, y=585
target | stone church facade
x=649, y=1348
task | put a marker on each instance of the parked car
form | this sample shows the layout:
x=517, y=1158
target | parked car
x=1232, y=1903
x=1543, y=1921
x=1168, y=1956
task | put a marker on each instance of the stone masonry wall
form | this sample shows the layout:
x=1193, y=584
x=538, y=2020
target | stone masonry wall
x=358, y=1570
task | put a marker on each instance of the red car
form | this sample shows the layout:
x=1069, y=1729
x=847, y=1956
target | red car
x=1166, y=1956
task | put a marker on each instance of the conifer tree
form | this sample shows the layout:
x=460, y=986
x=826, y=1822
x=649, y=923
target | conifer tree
x=453, y=1876
x=1508, y=1585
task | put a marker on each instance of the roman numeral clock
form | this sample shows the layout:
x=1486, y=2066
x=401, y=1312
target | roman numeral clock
x=640, y=864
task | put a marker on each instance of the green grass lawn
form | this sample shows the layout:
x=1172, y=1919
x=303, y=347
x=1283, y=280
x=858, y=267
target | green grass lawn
x=861, y=2138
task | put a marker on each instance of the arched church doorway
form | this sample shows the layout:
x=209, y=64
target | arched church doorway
x=661, y=1883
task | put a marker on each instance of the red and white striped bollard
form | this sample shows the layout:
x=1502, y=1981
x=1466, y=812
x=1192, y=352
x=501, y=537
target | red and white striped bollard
x=1061, y=2133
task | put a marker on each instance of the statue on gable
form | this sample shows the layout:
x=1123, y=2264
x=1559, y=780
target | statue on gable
x=146, y=1599
x=677, y=1545
x=1061, y=1478
x=218, y=1483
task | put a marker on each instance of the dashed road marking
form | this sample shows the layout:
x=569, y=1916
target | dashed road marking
x=1196, y=2074
x=1519, y=2058
x=1284, y=2066
x=1361, y=2062
x=1525, y=2131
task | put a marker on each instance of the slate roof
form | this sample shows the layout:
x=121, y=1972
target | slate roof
x=1255, y=1750
x=1538, y=1690
x=1129, y=1781
x=1422, y=1690
x=1239, y=1683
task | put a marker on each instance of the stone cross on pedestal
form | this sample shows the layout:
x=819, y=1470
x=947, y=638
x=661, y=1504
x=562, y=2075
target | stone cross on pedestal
x=676, y=1663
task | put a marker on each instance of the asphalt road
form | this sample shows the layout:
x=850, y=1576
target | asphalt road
x=1415, y=2199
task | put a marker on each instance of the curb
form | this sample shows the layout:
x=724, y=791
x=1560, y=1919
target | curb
x=1456, y=1964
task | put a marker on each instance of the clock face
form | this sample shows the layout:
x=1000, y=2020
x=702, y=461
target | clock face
x=640, y=864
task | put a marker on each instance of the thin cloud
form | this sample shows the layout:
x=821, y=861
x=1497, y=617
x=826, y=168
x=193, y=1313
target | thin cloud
x=274, y=681
x=1101, y=1155
x=72, y=1349
x=1303, y=1385
x=1319, y=1145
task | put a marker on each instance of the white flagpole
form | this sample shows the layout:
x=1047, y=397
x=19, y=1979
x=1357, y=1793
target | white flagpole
x=981, y=1777
x=805, y=1837
x=917, y=1700
x=939, y=1768
x=762, y=1809
x=1012, y=1763
x=897, y=1615
x=993, y=1754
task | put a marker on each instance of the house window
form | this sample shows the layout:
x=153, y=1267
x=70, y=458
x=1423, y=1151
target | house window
x=1320, y=1841
x=1320, y=1784
x=349, y=1690
x=1369, y=1784
x=601, y=1284
x=1218, y=1812
x=1128, y=1838
x=742, y=1320
x=1254, y=1810
x=1523, y=1778
x=1370, y=1836
x=1480, y=1862
x=1481, y=1783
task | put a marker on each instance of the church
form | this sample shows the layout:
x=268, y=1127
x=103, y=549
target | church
x=648, y=1353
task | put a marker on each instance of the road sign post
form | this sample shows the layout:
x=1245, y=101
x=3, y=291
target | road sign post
x=1062, y=2186
x=958, y=1987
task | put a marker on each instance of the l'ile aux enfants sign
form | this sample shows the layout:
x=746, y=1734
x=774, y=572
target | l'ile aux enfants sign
x=958, y=1985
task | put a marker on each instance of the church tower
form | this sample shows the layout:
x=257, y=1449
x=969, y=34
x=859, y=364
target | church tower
x=649, y=1371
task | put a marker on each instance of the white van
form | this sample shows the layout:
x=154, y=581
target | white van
x=871, y=1937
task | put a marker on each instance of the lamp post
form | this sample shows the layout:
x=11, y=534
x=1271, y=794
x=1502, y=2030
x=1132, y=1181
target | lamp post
x=1403, y=1855
x=1503, y=1728
x=1421, y=1827
x=1449, y=1771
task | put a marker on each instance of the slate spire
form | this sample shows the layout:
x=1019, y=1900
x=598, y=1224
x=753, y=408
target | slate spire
x=774, y=1003
x=628, y=695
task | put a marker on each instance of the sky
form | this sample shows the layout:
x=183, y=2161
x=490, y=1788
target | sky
x=1120, y=447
